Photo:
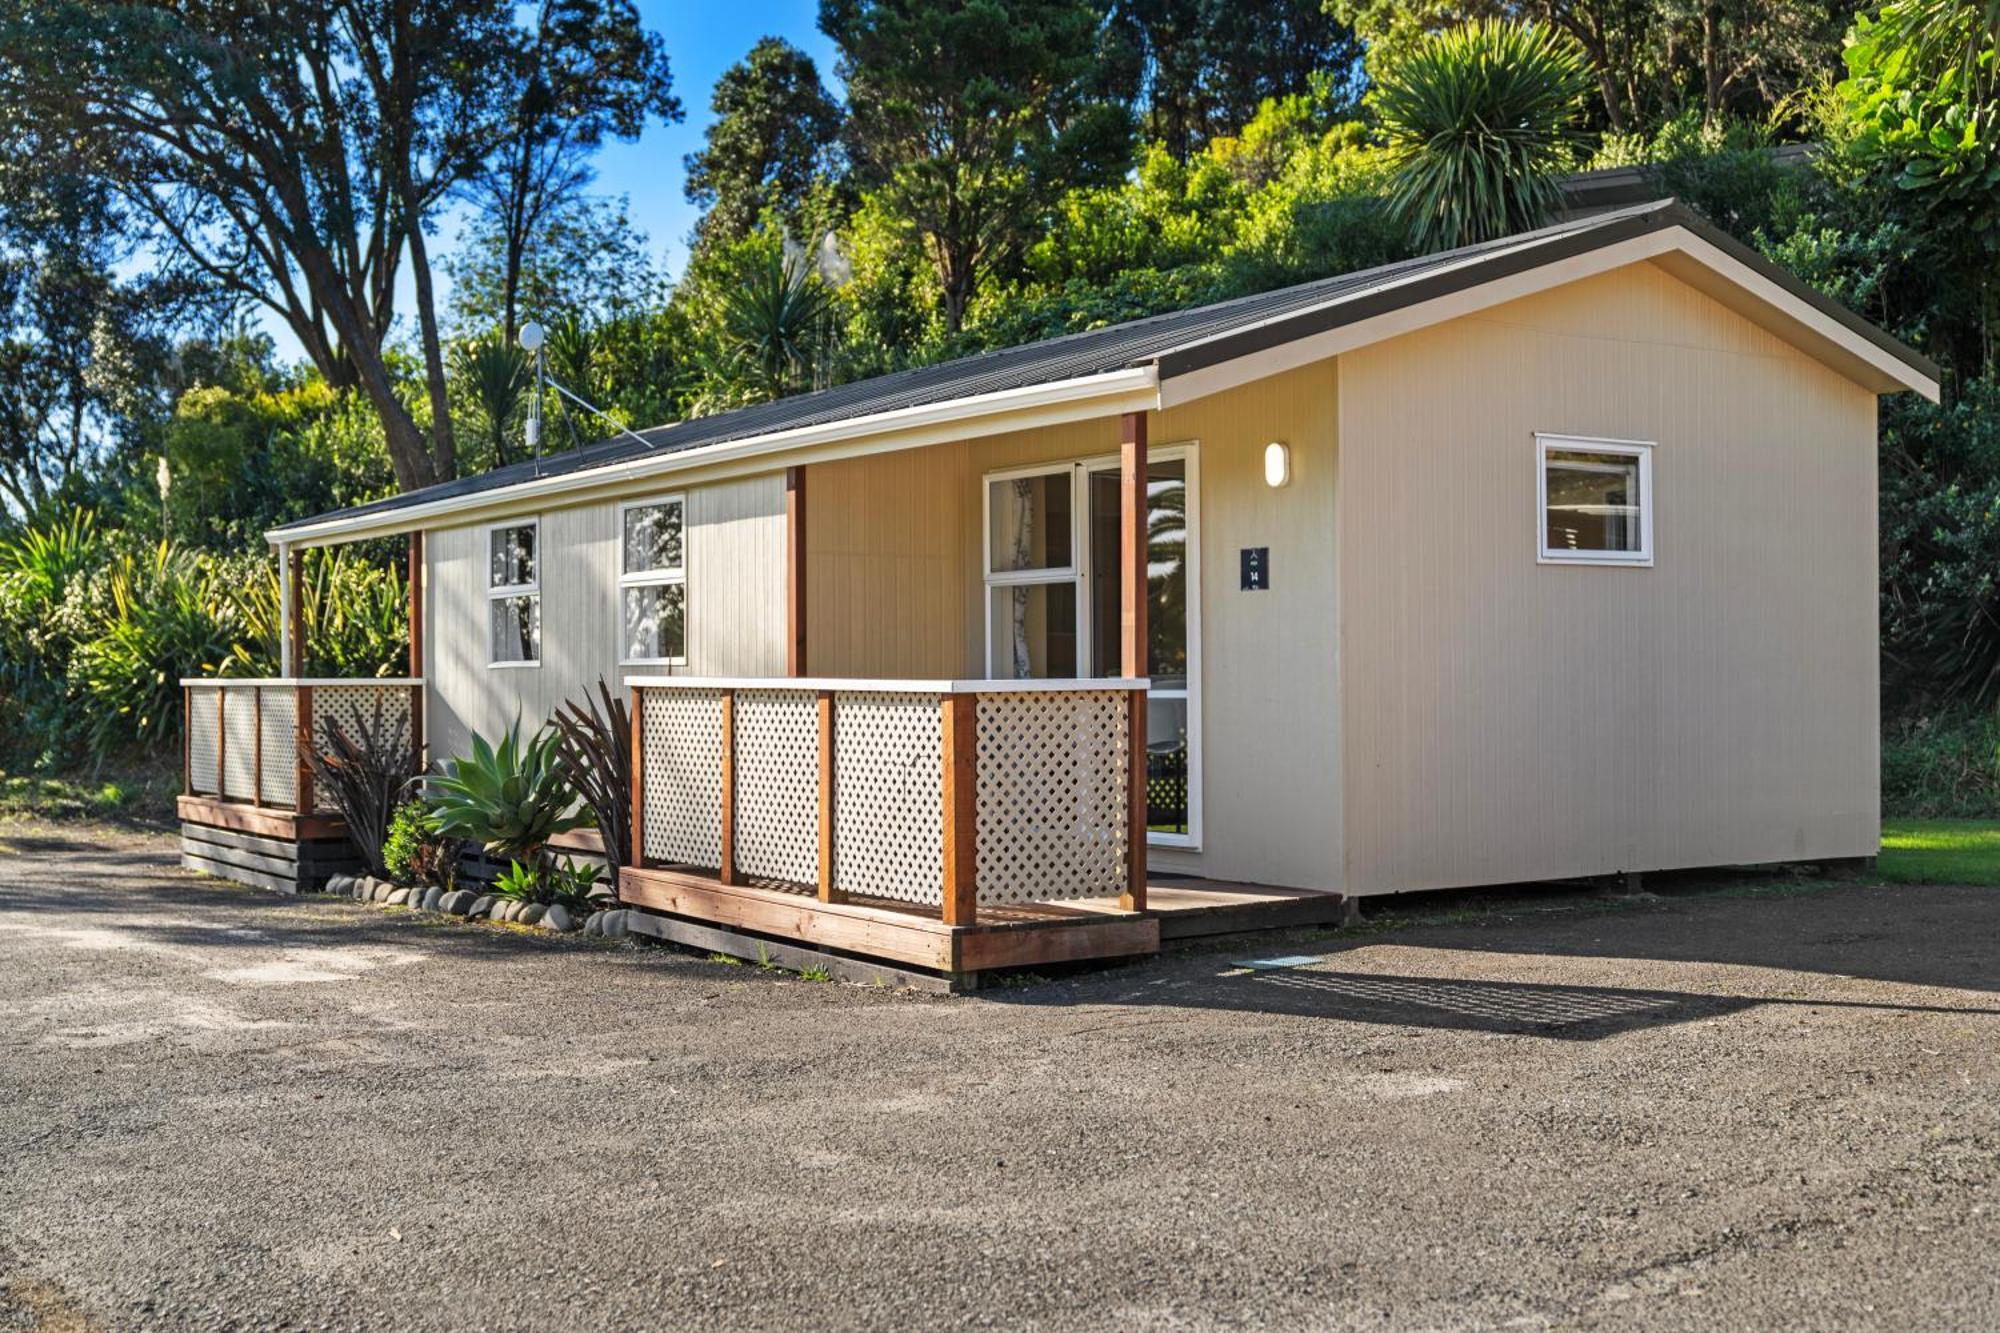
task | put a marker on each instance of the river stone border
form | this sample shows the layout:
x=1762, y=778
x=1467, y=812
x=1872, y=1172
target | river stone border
x=609, y=923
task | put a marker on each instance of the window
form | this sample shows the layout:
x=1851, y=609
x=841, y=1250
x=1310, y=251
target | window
x=513, y=590
x=1596, y=501
x=1032, y=607
x=1053, y=564
x=652, y=581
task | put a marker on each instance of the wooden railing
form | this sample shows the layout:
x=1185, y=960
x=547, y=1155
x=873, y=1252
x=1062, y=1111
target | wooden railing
x=952, y=794
x=247, y=740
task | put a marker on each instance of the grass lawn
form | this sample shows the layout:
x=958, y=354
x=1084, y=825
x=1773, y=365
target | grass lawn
x=145, y=795
x=1940, y=851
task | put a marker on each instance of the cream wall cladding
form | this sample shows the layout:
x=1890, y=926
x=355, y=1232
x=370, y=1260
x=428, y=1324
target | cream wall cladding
x=735, y=599
x=896, y=589
x=1508, y=720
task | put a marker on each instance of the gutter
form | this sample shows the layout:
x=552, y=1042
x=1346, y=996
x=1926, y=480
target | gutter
x=1131, y=389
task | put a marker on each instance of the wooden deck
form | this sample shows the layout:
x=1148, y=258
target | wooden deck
x=1010, y=936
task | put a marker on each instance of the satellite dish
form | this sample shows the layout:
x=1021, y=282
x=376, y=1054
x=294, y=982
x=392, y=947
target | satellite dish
x=531, y=337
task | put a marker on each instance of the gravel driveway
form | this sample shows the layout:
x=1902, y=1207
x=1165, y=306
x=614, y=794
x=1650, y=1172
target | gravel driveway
x=221, y=1108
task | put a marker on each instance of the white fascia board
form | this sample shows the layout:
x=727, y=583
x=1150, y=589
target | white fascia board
x=1668, y=241
x=1134, y=389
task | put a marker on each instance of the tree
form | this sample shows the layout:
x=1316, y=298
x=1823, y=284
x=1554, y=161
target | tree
x=776, y=132
x=84, y=351
x=768, y=323
x=1201, y=68
x=584, y=71
x=1481, y=120
x=585, y=257
x=499, y=379
x=290, y=152
x=1649, y=59
x=969, y=117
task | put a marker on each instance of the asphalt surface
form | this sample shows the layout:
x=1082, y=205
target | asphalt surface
x=224, y=1109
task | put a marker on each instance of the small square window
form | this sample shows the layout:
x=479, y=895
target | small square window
x=517, y=629
x=1595, y=501
x=513, y=556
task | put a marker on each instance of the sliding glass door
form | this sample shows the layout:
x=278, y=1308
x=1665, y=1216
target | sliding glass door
x=1052, y=604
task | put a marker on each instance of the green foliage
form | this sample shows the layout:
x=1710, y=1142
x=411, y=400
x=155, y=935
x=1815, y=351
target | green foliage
x=769, y=326
x=1481, y=120
x=1942, y=765
x=546, y=880
x=511, y=798
x=409, y=829
x=775, y=133
x=497, y=378
x=968, y=120
x=367, y=763
x=597, y=749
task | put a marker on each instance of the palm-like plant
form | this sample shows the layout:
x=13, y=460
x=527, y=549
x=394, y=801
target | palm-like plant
x=597, y=747
x=772, y=331
x=510, y=798
x=367, y=765
x=1481, y=121
x=497, y=375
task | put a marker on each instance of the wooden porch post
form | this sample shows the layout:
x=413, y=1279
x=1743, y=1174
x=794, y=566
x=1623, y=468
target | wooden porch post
x=302, y=743
x=827, y=892
x=960, y=731
x=726, y=872
x=795, y=571
x=416, y=603
x=294, y=651
x=1133, y=517
x=636, y=854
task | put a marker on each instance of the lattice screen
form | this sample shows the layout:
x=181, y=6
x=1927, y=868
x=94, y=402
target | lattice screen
x=202, y=775
x=239, y=749
x=682, y=784
x=777, y=785
x=888, y=817
x=353, y=708
x=1054, y=770
x=281, y=746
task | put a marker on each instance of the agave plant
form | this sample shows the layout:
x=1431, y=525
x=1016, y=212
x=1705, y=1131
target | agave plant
x=368, y=770
x=597, y=749
x=1482, y=120
x=510, y=798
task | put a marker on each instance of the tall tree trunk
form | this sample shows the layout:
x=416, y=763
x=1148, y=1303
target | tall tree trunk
x=1711, y=64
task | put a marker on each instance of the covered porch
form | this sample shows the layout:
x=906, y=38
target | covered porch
x=1001, y=814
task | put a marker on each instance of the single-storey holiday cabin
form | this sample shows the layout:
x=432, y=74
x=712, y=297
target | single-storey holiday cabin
x=1542, y=558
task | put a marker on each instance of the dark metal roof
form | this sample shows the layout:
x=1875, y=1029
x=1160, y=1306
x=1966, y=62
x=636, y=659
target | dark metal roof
x=1176, y=343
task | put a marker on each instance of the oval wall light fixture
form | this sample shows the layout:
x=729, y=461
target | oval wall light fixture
x=1277, y=464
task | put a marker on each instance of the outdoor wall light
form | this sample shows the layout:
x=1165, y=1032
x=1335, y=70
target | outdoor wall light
x=1277, y=464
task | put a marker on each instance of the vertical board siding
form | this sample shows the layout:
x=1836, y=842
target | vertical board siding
x=1508, y=720
x=735, y=574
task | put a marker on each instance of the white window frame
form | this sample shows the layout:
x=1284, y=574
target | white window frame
x=653, y=577
x=1078, y=573
x=533, y=588
x=1642, y=450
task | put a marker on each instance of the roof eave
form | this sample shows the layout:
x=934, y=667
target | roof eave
x=1130, y=389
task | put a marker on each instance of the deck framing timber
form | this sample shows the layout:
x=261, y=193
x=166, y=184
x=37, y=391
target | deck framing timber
x=894, y=934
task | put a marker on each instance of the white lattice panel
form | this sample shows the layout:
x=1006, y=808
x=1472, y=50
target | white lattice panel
x=1054, y=769
x=888, y=795
x=353, y=707
x=201, y=728
x=280, y=742
x=777, y=784
x=239, y=748
x=682, y=784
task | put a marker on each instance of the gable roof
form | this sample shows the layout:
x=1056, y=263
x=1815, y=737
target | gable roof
x=1166, y=359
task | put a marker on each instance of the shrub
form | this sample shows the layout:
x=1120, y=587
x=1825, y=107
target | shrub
x=550, y=881
x=1944, y=765
x=367, y=769
x=597, y=750
x=510, y=798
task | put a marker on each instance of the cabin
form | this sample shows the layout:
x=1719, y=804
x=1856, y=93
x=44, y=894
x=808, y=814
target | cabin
x=1546, y=558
